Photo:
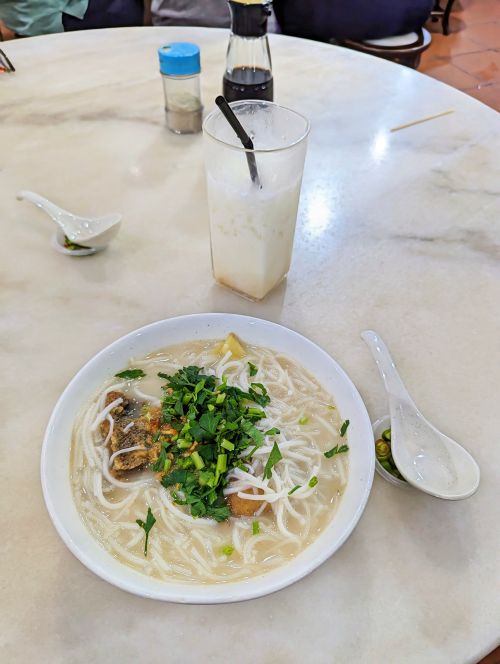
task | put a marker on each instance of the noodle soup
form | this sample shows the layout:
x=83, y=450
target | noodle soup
x=275, y=497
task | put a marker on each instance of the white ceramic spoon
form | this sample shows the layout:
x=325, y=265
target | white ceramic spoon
x=93, y=232
x=426, y=458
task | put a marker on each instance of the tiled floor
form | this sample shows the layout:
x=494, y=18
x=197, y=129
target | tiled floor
x=469, y=57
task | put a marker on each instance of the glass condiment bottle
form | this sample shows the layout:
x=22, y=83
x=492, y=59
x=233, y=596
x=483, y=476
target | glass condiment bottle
x=180, y=71
x=248, y=62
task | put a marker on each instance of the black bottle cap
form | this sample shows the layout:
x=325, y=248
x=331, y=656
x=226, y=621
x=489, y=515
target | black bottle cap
x=249, y=20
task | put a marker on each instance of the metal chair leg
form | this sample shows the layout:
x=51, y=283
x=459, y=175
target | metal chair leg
x=446, y=17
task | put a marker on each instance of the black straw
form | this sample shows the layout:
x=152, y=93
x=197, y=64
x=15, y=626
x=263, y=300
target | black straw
x=3, y=57
x=245, y=139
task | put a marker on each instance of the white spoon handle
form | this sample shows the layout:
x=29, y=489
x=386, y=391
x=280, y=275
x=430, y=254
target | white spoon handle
x=53, y=210
x=392, y=381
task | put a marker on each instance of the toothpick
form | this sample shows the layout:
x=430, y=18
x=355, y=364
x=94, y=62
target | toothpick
x=416, y=122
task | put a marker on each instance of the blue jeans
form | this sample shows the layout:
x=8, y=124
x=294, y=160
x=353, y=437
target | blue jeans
x=351, y=19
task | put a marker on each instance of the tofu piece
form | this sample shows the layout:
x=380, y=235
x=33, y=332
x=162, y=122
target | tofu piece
x=241, y=507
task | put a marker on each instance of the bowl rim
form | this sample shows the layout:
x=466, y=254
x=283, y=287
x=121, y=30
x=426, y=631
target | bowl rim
x=137, y=583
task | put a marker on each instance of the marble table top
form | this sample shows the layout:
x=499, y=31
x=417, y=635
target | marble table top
x=397, y=231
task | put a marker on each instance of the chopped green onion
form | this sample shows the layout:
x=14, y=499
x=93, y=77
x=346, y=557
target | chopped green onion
x=227, y=550
x=336, y=450
x=256, y=411
x=183, y=444
x=304, y=419
x=294, y=489
x=252, y=369
x=197, y=460
x=343, y=428
x=313, y=481
x=221, y=466
x=227, y=445
x=386, y=435
x=220, y=398
x=255, y=527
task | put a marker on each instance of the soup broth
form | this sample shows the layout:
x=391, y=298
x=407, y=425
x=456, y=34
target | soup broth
x=300, y=496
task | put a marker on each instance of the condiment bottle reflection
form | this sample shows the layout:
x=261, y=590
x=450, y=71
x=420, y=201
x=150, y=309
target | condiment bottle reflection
x=248, y=61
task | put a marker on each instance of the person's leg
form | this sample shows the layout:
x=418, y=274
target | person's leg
x=105, y=14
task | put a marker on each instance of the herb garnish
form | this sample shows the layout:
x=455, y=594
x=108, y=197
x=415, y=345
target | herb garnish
x=336, y=450
x=73, y=246
x=252, y=369
x=227, y=550
x=273, y=459
x=298, y=486
x=255, y=527
x=146, y=526
x=343, y=428
x=131, y=374
x=304, y=419
x=215, y=430
x=313, y=481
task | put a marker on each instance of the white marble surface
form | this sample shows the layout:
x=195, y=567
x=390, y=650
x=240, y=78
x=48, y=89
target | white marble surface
x=398, y=232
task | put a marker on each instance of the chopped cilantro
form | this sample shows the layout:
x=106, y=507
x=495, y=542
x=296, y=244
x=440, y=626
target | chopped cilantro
x=146, y=526
x=338, y=449
x=343, y=428
x=159, y=464
x=252, y=369
x=216, y=428
x=313, y=481
x=131, y=374
x=273, y=459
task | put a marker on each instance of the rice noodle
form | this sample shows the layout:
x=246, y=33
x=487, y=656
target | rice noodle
x=181, y=547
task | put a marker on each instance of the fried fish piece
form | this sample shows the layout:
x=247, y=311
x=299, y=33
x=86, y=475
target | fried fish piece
x=242, y=507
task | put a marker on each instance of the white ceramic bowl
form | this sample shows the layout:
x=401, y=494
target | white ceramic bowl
x=56, y=452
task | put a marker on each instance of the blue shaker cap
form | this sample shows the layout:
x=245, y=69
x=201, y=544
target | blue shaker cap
x=179, y=59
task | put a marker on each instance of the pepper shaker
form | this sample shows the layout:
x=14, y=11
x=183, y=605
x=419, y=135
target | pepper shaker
x=180, y=72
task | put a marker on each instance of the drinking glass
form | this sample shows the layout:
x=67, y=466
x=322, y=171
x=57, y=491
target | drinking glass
x=252, y=224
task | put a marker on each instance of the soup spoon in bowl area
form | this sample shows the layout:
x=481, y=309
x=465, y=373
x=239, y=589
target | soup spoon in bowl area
x=427, y=459
x=91, y=233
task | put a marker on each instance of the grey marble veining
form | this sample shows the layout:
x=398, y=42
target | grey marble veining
x=397, y=231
